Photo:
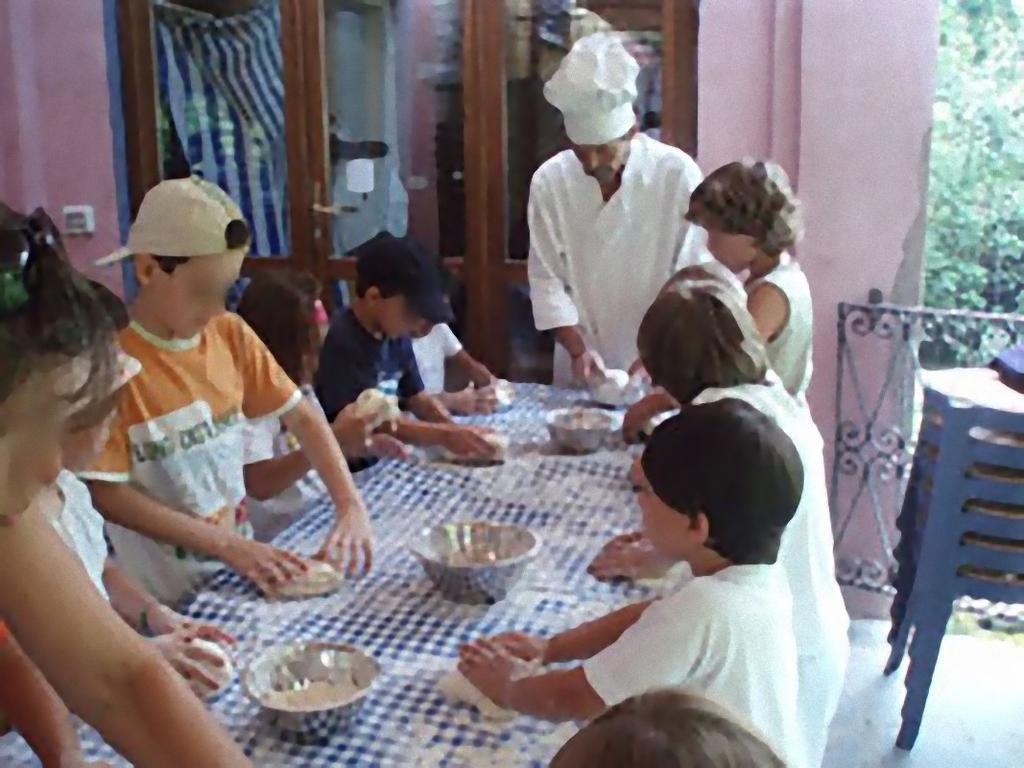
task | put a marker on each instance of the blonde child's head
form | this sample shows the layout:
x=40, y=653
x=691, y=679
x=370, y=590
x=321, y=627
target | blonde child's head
x=751, y=214
x=697, y=334
x=188, y=243
x=57, y=351
x=281, y=307
x=666, y=729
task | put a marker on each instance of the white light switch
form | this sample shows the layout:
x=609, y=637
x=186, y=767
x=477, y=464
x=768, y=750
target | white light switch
x=79, y=220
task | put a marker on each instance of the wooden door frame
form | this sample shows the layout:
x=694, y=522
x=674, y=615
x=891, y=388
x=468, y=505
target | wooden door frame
x=137, y=49
x=486, y=269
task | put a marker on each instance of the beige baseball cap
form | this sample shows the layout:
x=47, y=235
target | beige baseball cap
x=183, y=218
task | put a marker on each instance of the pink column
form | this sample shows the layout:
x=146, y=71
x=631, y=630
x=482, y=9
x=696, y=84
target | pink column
x=55, y=138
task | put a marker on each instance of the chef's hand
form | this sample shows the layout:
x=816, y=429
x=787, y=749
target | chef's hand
x=188, y=659
x=587, y=366
x=523, y=646
x=269, y=568
x=469, y=441
x=489, y=667
x=350, y=541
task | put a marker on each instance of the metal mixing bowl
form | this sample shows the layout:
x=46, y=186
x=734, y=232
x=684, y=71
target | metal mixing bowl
x=582, y=430
x=280, y=677
x=475, y=562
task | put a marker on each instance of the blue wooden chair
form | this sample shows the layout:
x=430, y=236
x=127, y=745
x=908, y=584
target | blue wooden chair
x=962, y=527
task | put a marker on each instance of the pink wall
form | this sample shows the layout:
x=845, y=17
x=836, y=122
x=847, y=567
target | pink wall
x=55, y=137
x=840, y=93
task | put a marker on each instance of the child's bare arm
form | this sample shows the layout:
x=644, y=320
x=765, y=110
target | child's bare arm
x=108, y=675
x=428, y=408
x=126, y=506
x=265, y=565
x=352, y=533
x=131, y=602
x=589, y=639
x=272, y=477
x=641, y=412
x=458, y=439
x=474, y=369
x=34, y=710
x=770, y=309
x=562, y=695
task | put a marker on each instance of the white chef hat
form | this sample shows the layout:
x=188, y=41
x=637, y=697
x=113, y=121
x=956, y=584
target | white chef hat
x=595, y=87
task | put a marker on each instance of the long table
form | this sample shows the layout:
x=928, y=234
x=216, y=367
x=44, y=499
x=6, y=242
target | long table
x=395, y=614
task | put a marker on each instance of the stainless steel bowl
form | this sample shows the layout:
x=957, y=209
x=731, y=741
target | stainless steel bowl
x=310, y=690
x=582, y=430
x=475, y=562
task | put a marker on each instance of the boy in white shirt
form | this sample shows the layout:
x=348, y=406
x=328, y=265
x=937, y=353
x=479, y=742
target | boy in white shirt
x=433, y=347
x=727, y=633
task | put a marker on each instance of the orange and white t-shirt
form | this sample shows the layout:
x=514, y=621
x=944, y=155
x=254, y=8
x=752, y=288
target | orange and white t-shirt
x=178, y=438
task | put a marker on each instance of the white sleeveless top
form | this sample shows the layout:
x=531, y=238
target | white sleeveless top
x=81, y=528
x=790, y=351
x=820, y=620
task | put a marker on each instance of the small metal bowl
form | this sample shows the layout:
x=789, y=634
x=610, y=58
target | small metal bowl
x=341, y=675
x=475, y=562
x=582, y=430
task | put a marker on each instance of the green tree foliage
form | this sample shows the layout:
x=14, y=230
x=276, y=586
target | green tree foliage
x=975, y=247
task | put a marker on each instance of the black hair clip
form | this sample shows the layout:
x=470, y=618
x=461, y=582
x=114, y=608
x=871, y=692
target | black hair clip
x=21, y=241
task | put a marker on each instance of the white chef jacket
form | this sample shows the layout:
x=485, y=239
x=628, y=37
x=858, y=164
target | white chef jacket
x=820, y=620
x=600, y=265
x=726, y=637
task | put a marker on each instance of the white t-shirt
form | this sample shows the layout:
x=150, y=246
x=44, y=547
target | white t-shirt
x=265, y=439
x=820, y=620
x=81, y=528
x=727, y=637
x=431, y=351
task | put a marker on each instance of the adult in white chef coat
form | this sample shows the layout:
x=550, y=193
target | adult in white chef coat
x=605, y=229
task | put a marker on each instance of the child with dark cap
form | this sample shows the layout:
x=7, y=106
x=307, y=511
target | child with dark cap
x=727, y=632
x=369, y=346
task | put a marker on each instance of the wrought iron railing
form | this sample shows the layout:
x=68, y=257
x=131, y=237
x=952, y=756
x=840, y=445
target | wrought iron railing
x=882, y=349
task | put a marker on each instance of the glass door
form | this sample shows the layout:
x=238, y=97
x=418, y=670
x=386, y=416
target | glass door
x=209, y=89
x=388, y=147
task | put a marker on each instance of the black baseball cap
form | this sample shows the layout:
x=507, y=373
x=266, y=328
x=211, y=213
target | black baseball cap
x=400, y=266
x=734, y=464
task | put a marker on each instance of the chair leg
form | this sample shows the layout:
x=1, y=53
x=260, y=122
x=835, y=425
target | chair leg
x=930, y=627
x=906, y=573
x=898, y=642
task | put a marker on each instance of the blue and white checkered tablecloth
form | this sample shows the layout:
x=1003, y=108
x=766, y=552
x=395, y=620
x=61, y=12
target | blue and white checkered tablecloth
x=574, y=503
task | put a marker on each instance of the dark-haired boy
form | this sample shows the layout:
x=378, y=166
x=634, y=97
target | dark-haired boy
x=369, y=345
x=727, y=633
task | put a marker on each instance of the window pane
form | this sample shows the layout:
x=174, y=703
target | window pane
x=394, y=94
x=220, y=108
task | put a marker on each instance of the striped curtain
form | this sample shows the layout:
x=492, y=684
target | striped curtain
x=222, y=108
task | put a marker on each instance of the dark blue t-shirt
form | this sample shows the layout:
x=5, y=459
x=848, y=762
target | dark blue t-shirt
x=353, y=360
